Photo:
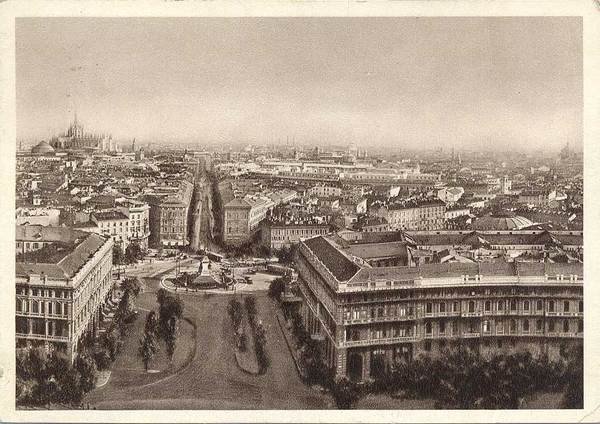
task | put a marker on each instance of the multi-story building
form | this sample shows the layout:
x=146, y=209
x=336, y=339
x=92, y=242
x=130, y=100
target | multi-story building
x=372, y=224
x=169, y=216
x=456, y=211
x=113, y=224
x=450, y=195
x=242, y=217
x=540, y=198
x=37, y=216
x=279, y=235
x=509, y=242
x=139, y=221
x=30, y=238
x=324, y=190
x=414, y=215
x=61, y=287
x=369, y=318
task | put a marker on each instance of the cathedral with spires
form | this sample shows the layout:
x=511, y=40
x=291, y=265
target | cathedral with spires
x=75, y=138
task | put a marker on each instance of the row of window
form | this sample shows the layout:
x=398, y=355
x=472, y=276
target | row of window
x=512, y=326
x=513, y=304
x=457, y=292
x=114, y=224
x=299, y=233
x=172, y=229
x=33, y=245
x=40, y=307
x=472, y=306
x=25, y=291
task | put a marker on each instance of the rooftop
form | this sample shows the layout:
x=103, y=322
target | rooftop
x=333, y=255
x=63, y=258
x=41, y=233
x=110, y=216
x=334, y=260
x=378, y=250
x=501, y=222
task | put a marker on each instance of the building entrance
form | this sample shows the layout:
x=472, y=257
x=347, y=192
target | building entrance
x=355, y=365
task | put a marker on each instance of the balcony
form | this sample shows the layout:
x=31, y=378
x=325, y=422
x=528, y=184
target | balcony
x=471, y=335
x=441, y=314
x=378, y=319
x=448, y=335
x=389, y=340
x=471, y=314
x=51, y=338
x=564, y=314
x=40, y=315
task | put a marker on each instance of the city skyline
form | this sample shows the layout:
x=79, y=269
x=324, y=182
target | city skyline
x=469, y=82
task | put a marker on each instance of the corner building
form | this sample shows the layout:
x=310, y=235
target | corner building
x=372, y=317
x=61, y=287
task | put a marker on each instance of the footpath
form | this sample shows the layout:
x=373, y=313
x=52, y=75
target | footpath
x=289, y=340
x=246, y=359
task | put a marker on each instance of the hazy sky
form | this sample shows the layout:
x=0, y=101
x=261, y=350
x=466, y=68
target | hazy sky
x=394, y=81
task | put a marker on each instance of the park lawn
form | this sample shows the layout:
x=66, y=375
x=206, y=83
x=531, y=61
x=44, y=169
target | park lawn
x=128, y=369
x=246, y=360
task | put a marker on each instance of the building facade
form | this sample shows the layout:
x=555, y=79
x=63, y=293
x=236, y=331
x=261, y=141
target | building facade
x=429, y=215
x=138, y=214
x=371, y=318
x=113, y=224
x=281, y=235
x=242, y=217
x=169, y=216
x=324, y=190
x=60, y=293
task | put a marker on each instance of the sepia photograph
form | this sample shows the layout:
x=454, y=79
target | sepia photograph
x=298, y=213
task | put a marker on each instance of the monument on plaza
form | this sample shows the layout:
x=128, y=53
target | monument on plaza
x=205, y=280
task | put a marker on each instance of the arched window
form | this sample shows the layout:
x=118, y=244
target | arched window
x=500, y=305
x=526, y=325
x=580, y=326
x=551, y=306
x=442, y=307
x=566, y=306
x=471, y=306
x=428, y=328
x=565, y=326
x=540, y=305
x=513, y=305
x=581, y=306
x=488, y=305
x=429, y=308
x=526, y=305
x=513, y=326
x=551, y=326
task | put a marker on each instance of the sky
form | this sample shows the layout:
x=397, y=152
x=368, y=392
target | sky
x=491, y=83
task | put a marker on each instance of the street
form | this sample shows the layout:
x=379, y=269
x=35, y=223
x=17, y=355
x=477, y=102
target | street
x=213, y=380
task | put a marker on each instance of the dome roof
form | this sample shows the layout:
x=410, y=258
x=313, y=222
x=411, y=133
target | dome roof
x=501, y=222
x=42, y=147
